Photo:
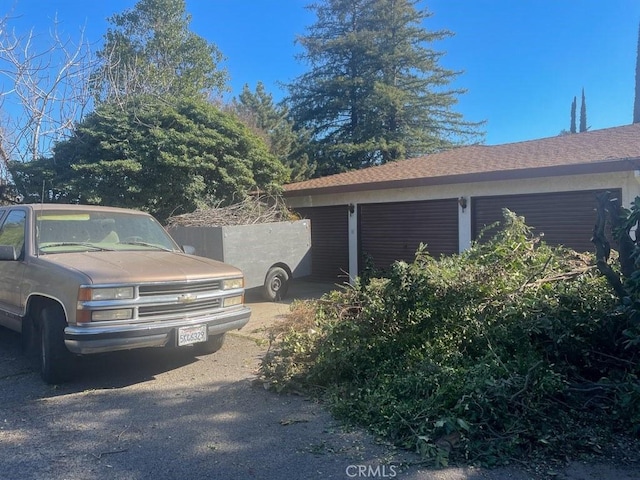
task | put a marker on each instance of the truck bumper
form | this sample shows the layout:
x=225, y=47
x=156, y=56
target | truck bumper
x=87, y=339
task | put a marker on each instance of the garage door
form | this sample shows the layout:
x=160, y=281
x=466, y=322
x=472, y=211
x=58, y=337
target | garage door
x=393, y=231
x=565, y=218
x=329, y=241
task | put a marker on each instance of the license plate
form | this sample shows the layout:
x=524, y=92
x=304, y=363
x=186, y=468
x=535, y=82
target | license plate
x=192, y=334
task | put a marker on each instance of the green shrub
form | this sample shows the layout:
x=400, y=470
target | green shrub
x=480, y=357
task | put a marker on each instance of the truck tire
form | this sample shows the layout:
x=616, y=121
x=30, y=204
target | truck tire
x=29, y=337
x=57, y=364
x=30, y=342
x=212, y=345
x=276, y=284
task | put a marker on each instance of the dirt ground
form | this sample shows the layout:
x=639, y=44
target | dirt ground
x=266, y=314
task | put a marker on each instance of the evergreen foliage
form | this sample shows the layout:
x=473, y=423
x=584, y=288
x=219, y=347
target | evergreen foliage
x=271, y=122
x=572, y=128
x=150, y=50
x=155, y=142
x=375, y=91
x=165, y=158
x=583, y=114
x=509, y=350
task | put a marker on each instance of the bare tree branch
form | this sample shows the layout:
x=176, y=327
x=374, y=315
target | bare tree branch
x=44, y=89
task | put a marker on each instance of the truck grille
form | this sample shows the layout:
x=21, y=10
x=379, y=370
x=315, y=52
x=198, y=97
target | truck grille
x=179, y=288
x=154, y=310
x=162, y=301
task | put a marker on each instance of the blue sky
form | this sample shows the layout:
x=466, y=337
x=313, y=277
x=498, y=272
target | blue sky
x=523, y=61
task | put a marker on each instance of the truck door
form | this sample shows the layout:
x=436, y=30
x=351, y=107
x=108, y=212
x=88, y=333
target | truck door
x=12, y=234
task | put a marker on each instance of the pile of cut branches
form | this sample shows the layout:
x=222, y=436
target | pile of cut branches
x=252, y=210
x=511, y=350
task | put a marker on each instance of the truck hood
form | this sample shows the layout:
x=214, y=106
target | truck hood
x=141, y=266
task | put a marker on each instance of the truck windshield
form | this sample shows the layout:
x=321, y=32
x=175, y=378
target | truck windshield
x=73, y=231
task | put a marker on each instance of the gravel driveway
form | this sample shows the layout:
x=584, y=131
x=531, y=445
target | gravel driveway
x=169, y=415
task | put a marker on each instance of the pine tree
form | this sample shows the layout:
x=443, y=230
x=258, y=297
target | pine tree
x=583, y=114
x=150, y=50
x=375, y=91
x=271, y=121
x=636, y=103
x=572, y=129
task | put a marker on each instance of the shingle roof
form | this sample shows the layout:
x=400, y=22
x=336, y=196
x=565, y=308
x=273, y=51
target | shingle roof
x=611, y=149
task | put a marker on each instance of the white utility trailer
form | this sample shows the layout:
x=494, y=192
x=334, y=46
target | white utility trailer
x=269, y=254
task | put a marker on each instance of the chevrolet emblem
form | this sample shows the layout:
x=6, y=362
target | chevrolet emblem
x=187, y=298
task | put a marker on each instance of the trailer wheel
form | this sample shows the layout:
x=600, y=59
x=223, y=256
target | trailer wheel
x=276, y=284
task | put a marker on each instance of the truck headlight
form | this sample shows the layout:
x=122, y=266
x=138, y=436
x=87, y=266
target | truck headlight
x=105, y=293
x=232, y=283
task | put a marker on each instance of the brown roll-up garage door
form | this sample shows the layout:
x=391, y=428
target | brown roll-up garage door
x=565, y=218
x=393, y=231
x=329, y=241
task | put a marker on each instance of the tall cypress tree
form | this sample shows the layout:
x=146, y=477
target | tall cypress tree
x=375, y=91
x=636, y=103
x=572, y=129
x=583, y=114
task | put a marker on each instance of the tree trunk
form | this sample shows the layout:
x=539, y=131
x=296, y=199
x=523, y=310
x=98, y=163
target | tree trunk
x=610, y=207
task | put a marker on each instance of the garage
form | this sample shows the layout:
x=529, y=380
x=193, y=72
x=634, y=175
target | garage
x=565, y=218
x=552, y=182
x=394, y=231
x=329, y=241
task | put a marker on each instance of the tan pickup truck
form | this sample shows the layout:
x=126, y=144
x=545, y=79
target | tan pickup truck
x=78, y=279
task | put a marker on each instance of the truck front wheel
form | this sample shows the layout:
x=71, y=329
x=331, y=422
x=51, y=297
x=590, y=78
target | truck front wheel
x=276, y=284
x=56, y=362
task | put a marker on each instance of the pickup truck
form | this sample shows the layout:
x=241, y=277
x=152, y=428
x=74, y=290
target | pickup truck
x=78, y=280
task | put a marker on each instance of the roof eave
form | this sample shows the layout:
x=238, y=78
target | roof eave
x=619, y=165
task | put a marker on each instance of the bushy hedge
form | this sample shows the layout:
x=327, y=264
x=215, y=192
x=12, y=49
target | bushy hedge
x=510, y=349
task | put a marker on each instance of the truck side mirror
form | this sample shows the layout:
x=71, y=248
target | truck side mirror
x=8, y=252
x=188, y=249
